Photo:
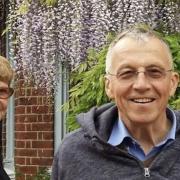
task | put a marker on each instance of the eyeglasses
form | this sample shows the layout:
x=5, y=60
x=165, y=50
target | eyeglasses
x=129, y=75
x=6, y=92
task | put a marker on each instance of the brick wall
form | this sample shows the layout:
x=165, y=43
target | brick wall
x=33, y=131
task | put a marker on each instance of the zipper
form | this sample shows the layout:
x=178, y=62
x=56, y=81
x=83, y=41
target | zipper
x=146, y=169
x=146, y=172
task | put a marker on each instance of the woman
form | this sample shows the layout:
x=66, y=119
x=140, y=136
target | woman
x=6, y=76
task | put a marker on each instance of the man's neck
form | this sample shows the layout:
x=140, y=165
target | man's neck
x=149, y=135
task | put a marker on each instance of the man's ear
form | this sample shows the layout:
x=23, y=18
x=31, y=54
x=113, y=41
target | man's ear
x=108, y=88
x=174, y=83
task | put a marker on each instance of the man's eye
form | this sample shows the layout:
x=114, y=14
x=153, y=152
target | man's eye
x=155, y=73
x=126, y=74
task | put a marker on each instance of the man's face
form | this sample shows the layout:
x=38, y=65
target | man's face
x=141, y=100
x=3, y=102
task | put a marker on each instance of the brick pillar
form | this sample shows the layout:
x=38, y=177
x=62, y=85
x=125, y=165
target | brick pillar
x=33, y=131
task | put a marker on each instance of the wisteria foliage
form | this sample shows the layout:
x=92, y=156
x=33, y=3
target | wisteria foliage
x=45, y=36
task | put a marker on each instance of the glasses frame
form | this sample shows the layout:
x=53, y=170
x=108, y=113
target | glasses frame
x=137, y=72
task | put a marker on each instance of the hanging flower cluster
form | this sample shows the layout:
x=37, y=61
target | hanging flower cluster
x=45, y=36
x=169, y=17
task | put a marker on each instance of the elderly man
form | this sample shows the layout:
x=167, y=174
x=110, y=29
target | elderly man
x=138, y=137
x=6, y=76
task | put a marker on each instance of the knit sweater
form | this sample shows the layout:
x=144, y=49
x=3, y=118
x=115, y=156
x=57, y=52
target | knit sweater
x=85, y=154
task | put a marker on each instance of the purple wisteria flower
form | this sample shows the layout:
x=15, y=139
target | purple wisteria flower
x=46, y=36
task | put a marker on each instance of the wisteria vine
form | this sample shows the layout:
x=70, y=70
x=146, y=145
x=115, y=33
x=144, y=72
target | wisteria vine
x=46, y=36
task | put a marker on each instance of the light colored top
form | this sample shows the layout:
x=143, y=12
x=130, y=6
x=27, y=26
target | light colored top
x=120, y=135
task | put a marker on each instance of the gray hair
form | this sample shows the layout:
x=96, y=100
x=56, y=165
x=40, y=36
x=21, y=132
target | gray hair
x=138, y=33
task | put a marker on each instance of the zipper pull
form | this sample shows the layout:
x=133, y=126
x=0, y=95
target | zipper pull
x=146, y=172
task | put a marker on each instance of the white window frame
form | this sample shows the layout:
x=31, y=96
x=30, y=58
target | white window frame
x=61, y=96
x=9, y=158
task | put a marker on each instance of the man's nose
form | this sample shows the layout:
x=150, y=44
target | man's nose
x=141, y=81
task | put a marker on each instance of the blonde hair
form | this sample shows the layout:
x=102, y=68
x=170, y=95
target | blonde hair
x=138, y=33
x=6, y=71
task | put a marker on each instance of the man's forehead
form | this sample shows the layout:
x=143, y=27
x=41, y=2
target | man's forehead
x=141, y=52
x=152, y=45
x=127, y=43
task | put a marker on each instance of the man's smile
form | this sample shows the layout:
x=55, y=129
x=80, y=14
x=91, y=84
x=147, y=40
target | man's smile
x=142, y=100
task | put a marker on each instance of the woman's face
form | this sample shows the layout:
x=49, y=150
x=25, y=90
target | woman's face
x=3, y=102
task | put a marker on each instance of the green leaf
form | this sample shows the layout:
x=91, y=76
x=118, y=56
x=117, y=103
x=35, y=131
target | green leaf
x=24, y=7
x=6, y=30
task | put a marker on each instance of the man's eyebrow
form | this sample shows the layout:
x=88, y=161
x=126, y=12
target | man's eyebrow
x=155, y=66
x=126, y=66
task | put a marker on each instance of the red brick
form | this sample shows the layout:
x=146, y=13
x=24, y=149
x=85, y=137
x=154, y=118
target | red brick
x=45, y=100
x=31, y=118
x=40, y=118
x=45, y=153
x=20, y=160
x=26, y=135
x=28, y=109
x=20, y=127
x=28, y=169
x=28, y=144
x=47, y=118
x=20, y=144
x=22, y=101
x=28, y=126
x=42, y=126
x=42, y=161
x=40, y=109
x=40, y=100
x=40, y=136
x=42, y=144
x=39, y=92
x=26, y=152
x=20, y=118
x=48, y=135
x=32, y=101
x=28, y=161
x=20, y=110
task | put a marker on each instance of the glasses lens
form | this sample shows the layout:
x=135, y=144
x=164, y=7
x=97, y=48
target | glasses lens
x=155, y=73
